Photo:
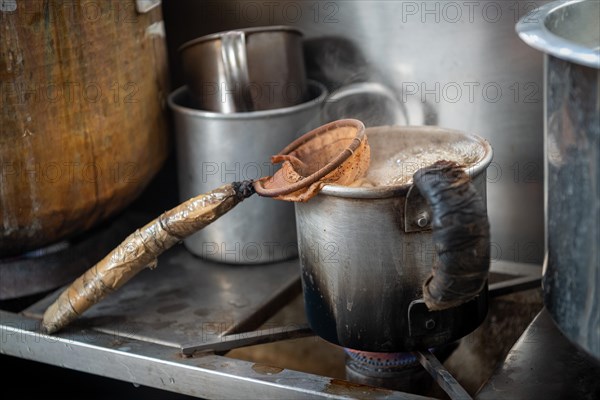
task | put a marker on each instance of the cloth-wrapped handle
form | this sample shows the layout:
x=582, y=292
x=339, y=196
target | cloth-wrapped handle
x=461, y=235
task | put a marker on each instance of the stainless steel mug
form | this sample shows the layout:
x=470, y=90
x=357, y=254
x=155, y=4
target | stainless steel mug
x=215, y=148
x=568, y=34
x=366, y=251
x=246, y=70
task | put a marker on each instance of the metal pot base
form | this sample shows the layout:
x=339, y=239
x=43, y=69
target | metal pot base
x=422, y=329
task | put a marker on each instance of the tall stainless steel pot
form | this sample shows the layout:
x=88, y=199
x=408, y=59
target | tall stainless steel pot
x=568, y=34
x=462, y=58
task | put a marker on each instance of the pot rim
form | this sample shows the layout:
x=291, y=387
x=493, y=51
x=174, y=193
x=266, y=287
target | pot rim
x=247, y=31
x=533, y=31
x=381, y=192
x=174, y=104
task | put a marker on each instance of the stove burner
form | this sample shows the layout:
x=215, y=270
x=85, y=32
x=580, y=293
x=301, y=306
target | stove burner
x=382, y=360
x=396, y=371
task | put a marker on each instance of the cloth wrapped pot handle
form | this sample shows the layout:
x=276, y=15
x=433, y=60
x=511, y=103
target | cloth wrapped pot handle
x=461, y=235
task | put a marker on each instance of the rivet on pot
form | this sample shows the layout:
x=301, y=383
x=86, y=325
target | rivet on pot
x=429, y=324
x=423, y=219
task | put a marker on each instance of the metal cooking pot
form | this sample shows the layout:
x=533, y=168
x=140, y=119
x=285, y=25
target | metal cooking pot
x=365, y=253
x=568, y=34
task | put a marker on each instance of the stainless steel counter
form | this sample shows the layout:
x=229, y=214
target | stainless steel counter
x=168, y=327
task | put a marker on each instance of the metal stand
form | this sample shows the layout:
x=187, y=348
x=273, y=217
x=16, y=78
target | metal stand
x=544, y=364
x=166, y=328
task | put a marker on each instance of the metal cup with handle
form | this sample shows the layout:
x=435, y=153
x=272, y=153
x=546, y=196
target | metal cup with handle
x=246, y=69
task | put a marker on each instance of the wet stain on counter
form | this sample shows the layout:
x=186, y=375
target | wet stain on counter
x=162, y=324
x=266, y=369
x=208, y=366
x=175, y=293
x=354, y=390
x=172, y=308
x=202, y=312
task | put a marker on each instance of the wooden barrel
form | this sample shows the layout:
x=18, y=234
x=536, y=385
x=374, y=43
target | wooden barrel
x=83, y=125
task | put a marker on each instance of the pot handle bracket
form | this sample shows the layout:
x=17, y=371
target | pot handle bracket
x=417, y=213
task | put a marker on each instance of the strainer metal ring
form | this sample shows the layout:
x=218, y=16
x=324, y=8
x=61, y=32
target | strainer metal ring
x=322, y=172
